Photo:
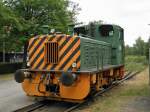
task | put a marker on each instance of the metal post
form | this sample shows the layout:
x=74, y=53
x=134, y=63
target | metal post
x=4, y=50
x=149, y=66
x=7, y=32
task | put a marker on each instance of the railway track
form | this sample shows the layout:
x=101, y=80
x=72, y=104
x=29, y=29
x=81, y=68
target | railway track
x=128, y=75
x=31, y=107
x=45, y=106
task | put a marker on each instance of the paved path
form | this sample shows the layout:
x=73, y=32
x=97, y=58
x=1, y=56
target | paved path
x=12, y=96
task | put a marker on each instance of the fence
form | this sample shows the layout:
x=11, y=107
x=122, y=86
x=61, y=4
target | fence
x=12, y=57
x=13, y=61
x=9, y=67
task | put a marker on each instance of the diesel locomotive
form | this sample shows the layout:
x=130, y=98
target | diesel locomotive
x=70, y=67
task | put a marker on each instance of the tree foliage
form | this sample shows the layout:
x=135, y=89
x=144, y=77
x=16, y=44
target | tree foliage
x=27, y=17
x=140, y=48
x=7, y=17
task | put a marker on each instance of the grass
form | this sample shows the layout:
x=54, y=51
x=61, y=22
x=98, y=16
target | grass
x=121, y=96
x=140, y=91
x=135, y=63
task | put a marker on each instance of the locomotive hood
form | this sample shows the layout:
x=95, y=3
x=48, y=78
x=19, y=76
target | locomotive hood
x=54, y=52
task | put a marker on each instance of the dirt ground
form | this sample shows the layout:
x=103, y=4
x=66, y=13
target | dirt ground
x=131, y=96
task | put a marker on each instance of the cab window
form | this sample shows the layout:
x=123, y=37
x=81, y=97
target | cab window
x=80, y=31
x=106, y=30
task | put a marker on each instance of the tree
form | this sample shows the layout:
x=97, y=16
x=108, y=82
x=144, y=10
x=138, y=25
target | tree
x=139, y=47
x=7, y=17
x=36, y=13
x=27, y=17
x=128, y=50
x=147, y=48
x=8, y=21
x=73, y=11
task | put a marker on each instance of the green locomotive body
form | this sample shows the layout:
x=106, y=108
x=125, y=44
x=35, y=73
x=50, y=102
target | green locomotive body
x=102, y=47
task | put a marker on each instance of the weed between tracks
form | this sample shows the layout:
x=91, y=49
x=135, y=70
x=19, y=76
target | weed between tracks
x=119, y=98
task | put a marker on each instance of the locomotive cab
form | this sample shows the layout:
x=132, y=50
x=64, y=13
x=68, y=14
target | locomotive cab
x=113, y=34
x=109, y=33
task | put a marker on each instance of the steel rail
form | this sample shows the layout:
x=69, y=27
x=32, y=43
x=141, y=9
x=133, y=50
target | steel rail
x=41, y=104
x=31, y=107
x=129, y=75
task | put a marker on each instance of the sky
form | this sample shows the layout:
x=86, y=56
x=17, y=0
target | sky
x=132, y=15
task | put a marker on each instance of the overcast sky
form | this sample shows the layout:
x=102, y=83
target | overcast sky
x=132, y=15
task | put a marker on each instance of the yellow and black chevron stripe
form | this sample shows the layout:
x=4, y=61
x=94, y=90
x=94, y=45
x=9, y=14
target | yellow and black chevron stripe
x=69, y=52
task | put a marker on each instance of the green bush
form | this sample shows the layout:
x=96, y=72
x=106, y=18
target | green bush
x=135, y=63
x=9, y=67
